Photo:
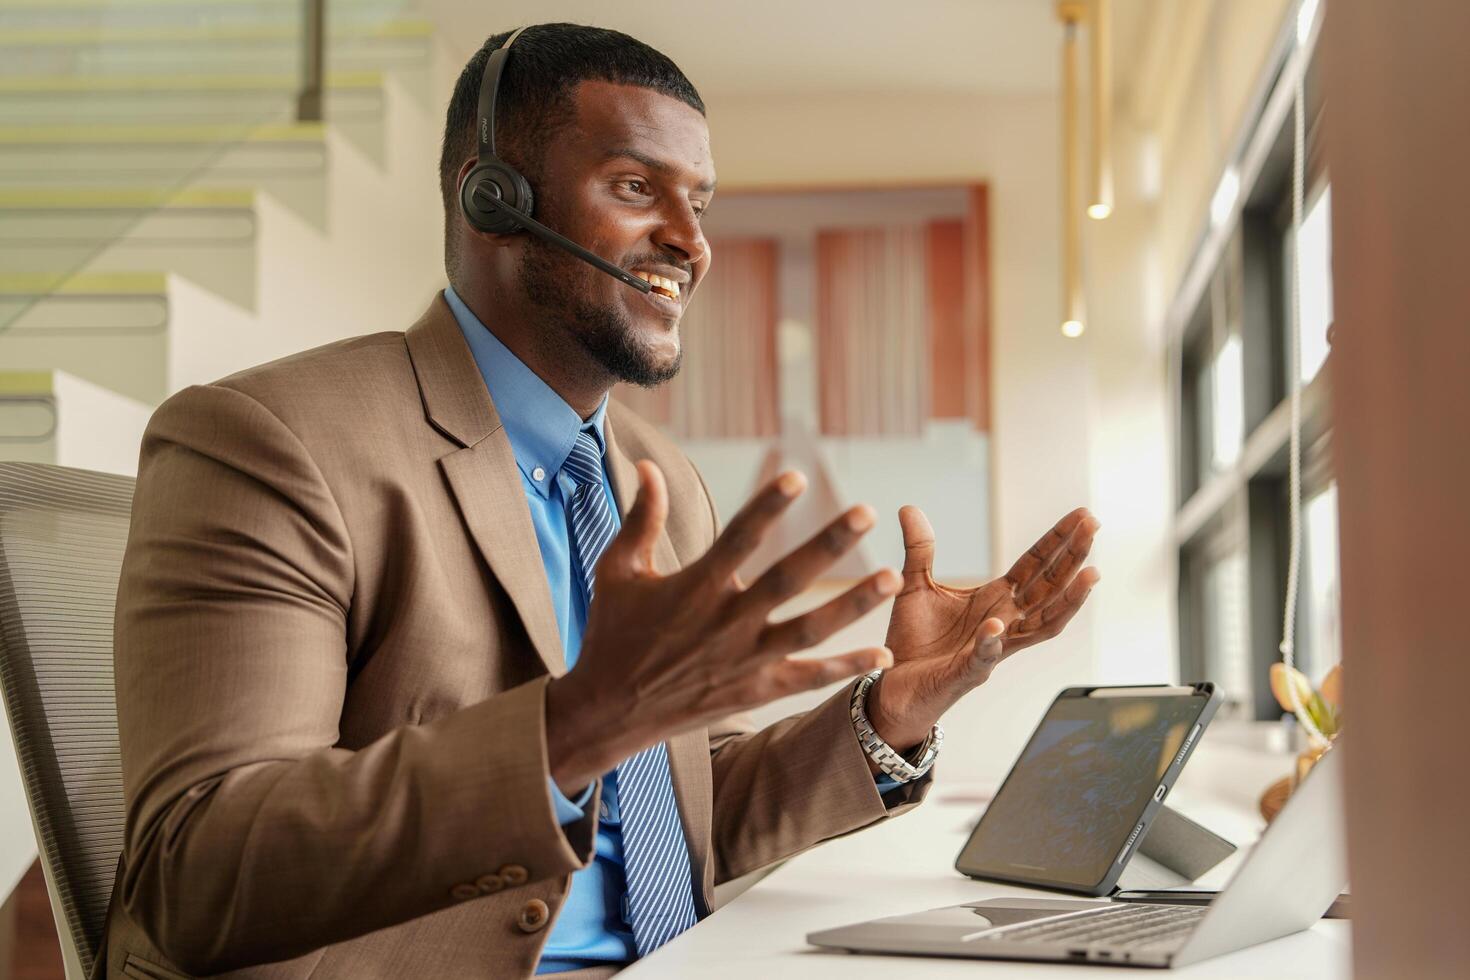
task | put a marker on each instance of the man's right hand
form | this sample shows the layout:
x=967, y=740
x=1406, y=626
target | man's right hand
x=666, y=653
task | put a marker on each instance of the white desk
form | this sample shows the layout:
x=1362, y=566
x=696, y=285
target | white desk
x=906, y=865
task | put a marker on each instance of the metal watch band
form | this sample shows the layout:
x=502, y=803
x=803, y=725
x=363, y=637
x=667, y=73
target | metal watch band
x=884, y=756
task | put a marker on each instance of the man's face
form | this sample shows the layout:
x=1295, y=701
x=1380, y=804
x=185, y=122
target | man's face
x=628, y=179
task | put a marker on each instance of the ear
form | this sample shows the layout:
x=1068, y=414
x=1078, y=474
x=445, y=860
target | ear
x=464, y=168
x=489, y=238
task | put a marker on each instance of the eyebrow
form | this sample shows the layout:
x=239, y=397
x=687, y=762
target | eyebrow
x=652, y=163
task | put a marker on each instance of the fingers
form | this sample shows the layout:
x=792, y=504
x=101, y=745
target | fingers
x=989, y=649
x=809, y=629
x=748, y=528
x=631, y=552
x=794, y=676
x=1046, y=623
x=1057, y=573
x=1041, y=553
x=792, y=574
x=918, y=542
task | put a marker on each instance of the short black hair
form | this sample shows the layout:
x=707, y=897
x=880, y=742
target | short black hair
x=535, y=100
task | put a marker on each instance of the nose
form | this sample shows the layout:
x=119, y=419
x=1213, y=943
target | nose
x=680, y=234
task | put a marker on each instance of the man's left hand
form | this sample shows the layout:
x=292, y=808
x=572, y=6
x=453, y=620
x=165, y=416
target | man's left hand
x=946, y=641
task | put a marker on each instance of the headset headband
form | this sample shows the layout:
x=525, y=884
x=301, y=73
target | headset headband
x=489, y=89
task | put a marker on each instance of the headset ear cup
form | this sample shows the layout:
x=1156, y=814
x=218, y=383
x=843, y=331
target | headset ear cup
x=496, y=180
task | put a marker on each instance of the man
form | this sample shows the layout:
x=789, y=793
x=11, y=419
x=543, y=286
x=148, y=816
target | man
x=394, y=698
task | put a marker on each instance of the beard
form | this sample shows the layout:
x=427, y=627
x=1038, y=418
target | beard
x=604, y=332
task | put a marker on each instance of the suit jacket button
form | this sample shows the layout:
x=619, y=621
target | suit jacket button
x=513, y=875
x=489, y=884
x=534, y=916
x=464, y=891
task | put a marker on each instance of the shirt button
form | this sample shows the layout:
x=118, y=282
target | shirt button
x=538, y=474
x=603, y=811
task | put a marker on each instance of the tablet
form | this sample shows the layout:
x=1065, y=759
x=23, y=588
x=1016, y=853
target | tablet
x=1086, y=786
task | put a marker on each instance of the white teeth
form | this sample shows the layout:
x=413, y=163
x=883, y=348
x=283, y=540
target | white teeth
x=667, y=286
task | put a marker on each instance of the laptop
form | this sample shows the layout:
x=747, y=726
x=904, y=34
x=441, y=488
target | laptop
x=1283, y=886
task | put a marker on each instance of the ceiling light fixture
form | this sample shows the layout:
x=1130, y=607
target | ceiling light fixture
x=1074, y=318
x=1100, y=31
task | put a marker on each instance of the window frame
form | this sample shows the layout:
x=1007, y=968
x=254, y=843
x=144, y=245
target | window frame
x=1245, y=505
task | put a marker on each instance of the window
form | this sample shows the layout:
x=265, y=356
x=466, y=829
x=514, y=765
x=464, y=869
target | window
x=1227, y=404
x=1231, y=361
x=1316, y=282
x=1319, y=635
x=1227, y=648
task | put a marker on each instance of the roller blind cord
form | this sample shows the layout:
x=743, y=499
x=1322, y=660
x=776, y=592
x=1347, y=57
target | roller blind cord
x=1294, y=477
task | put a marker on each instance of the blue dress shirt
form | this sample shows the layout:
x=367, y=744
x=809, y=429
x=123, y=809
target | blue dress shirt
x=592, y=928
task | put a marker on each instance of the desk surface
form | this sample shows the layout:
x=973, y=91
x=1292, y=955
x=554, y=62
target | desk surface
x=906, y=865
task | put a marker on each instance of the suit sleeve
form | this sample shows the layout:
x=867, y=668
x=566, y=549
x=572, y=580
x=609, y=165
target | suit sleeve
x=251, y=837
x=793, y=784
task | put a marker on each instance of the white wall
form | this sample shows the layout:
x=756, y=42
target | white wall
x=97, y=429
x=1135, y=636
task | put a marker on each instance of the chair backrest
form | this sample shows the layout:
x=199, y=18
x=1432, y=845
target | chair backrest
x=62, y=535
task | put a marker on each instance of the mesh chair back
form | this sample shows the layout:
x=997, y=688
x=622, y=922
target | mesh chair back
x=62, y=534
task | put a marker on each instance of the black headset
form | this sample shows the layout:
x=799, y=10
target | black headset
x=496, y=199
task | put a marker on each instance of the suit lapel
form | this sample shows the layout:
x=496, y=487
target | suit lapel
x=487, y=487
x=482, y=476
x=689, y=769
x=623, y=475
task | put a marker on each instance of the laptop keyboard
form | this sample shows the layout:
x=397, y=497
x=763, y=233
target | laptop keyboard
x=1126, y=926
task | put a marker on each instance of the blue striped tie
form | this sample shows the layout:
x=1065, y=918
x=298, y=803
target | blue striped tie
x=655, y=856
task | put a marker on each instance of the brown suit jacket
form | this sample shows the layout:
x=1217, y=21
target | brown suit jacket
x=333, y=636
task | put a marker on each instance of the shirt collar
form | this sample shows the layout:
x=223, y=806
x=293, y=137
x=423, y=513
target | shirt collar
x=541, y=426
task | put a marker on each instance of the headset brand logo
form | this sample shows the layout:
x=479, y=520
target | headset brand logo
x=484, y=130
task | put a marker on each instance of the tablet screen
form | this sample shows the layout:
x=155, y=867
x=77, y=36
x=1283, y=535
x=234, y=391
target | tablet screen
x=1080, y=787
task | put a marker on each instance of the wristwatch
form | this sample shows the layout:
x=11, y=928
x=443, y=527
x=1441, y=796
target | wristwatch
x=884, y=756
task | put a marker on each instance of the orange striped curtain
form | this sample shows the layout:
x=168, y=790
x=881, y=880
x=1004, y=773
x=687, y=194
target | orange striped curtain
x=727, y=388
x=903, y=324
x=975, y=256
x=872, y=331
x=948, y=358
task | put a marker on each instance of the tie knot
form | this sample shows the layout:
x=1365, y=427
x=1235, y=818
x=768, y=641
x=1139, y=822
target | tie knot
x=584, y=463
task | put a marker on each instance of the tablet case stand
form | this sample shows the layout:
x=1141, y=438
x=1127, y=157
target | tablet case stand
x=1175, y=852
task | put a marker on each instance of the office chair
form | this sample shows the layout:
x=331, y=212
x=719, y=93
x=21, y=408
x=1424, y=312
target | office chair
x=62, y=534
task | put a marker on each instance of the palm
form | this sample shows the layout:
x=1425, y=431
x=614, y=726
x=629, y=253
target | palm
x=946, y=641
x=938, y=625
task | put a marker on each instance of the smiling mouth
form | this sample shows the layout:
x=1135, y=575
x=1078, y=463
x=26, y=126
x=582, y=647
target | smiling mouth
x=662, y=286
